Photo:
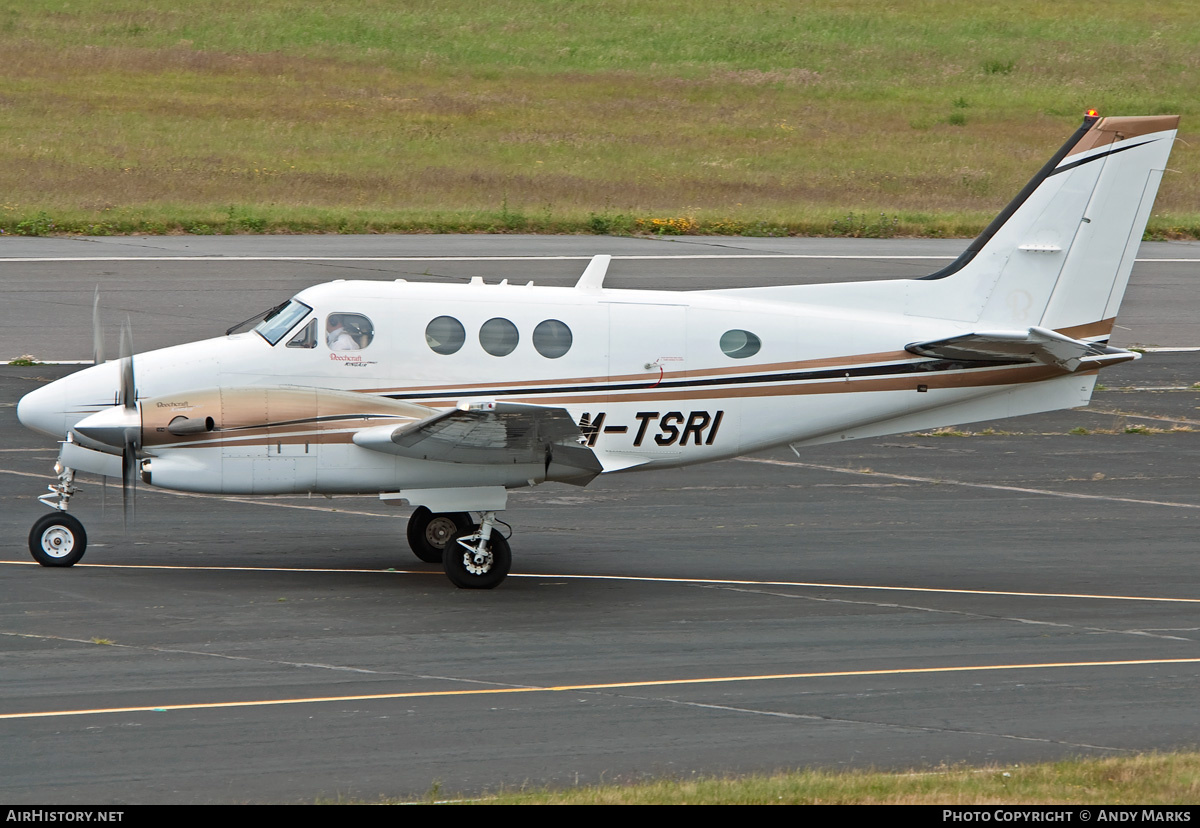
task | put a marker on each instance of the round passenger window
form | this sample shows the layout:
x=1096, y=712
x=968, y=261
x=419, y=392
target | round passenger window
x=445, y=335
x=552, y=338
x=348, y=331
x=498, y=336
x=739, y=344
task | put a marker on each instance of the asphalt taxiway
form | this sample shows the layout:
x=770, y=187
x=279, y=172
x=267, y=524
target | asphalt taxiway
x=183, y=288
x=1006, y=592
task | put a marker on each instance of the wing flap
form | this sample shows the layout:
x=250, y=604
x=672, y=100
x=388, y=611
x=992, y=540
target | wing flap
x=489, y=433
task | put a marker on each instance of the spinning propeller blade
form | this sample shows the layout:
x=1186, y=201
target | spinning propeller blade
x=97, y=332
x=128, y=393
x=128, y=398
x=129, y=469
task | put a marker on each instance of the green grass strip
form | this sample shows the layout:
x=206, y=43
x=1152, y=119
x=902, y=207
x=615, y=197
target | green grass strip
x=614, y=116
x=1147, y=779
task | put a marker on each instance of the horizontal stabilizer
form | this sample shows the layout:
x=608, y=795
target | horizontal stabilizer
x=1035, y=345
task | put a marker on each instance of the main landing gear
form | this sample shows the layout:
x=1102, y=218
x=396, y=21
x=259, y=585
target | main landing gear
x=474, y=556
x=428, y=533
x=58, y=539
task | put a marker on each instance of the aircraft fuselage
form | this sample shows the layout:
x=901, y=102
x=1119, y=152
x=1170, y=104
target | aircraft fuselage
x=653, y=379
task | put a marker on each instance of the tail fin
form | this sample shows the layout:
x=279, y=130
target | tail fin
x=1060, y=254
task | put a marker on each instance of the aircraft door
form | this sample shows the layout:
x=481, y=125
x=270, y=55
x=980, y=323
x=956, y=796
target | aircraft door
x=647, y=349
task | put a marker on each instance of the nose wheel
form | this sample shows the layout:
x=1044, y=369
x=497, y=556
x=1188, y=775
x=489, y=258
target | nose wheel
x=57, y=540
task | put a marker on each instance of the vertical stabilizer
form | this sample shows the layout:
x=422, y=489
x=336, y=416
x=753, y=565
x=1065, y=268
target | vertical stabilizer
x=1060, y=254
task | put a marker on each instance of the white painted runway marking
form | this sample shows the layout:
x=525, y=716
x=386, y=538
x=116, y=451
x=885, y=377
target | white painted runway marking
x=967, y=614
x=947, y=482
x=874, y=723
x=228, y=657
x=580, y=258
x=573, y=258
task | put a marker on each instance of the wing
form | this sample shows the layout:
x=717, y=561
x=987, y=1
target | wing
x=1037, y=345
x=491, y=433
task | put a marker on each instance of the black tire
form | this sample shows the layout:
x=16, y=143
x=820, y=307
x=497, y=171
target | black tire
x=429, y=532
x=465, y=571
x=57, y=539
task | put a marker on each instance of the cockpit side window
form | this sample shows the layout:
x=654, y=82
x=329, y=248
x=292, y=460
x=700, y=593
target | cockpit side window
x=280, y=320
x=348, y=331
x=306, y=337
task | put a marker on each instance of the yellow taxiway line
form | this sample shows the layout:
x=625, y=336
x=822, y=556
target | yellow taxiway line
x=496, y=691
x=558, y=576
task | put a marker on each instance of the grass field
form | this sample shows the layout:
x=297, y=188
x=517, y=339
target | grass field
x=921, y=116
x=1152, y=779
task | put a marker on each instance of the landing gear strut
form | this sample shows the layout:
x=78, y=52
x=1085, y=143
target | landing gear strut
x=478, y=558
x=58, y=539
x=429, y=532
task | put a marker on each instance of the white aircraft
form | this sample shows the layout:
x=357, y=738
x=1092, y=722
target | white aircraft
x=448, y=396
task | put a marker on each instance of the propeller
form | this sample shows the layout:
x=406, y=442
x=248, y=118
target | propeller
x=127, y=398
x=118, y=427
x=128, y=391
x=97, y=333
x=97, y=358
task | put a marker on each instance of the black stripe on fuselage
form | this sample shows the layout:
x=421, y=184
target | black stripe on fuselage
x=884, y=370
x=330, y=418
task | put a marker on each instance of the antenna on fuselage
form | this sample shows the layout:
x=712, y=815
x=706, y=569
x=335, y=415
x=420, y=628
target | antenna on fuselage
x=593, y=275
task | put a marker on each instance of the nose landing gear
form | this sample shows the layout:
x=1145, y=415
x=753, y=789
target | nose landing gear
x=58, y=539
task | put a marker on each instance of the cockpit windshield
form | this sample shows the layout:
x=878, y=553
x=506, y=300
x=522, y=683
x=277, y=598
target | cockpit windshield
x=279, y=320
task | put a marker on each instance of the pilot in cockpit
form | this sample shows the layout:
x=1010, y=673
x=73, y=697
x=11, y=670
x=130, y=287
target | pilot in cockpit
x=337, y=336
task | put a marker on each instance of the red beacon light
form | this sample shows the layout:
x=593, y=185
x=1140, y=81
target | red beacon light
x=1091, y=113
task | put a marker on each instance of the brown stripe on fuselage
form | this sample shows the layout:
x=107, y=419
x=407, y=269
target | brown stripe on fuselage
x=1002, y=376
x=270, y=431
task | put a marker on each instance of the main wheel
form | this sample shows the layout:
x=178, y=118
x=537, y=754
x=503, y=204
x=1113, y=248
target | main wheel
x=57, y=539
x=428, y=532
x=469, y=569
